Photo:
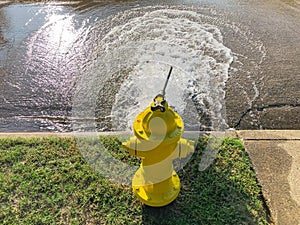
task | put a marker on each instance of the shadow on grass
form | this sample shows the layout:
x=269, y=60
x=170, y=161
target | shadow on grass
x=224, y=193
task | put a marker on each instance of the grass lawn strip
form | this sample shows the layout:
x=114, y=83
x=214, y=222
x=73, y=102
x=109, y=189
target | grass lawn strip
x=47, y=181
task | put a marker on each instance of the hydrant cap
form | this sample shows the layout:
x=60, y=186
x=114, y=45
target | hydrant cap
x=158, y=119
x=159, y=103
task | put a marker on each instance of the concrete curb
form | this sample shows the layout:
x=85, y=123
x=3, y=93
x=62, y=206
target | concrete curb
x=229, y=133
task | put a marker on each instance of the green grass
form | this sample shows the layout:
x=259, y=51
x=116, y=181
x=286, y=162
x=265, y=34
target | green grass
x=47, y=181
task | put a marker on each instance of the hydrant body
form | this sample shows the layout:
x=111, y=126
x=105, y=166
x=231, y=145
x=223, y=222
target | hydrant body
x=157, y=141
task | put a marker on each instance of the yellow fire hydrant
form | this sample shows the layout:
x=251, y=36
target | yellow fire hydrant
x=157, y=141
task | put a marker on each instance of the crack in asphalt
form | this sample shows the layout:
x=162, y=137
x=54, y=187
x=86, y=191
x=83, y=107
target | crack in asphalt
x=261, y=109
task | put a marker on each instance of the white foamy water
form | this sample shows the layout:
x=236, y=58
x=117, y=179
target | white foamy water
x=137, y=54
x=153, y=42
x=133, y=52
